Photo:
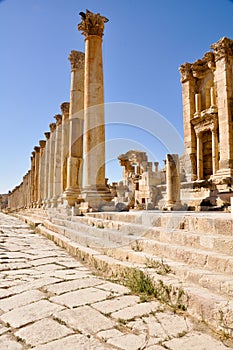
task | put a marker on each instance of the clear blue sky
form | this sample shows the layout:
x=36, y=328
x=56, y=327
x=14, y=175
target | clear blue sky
x=144, y=44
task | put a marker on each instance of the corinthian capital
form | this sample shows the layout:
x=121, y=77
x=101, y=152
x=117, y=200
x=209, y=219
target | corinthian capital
x=223, y=48
x=77, y=59
x=92, y=24
x=65, y=107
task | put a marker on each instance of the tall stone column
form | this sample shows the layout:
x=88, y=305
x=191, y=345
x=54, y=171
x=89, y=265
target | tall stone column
x=173, y=182
x=32, y=191
x=214, y=151
x=94, y=186
x=65, y=106
x=51, y=162
x=46, y=173
x=57, y=161
x=36, y=175
x=42, y=144
x=199, y=157
x=74, y=162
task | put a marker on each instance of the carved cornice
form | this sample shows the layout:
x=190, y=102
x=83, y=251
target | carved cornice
x=209, y=121
x=65, y=107
x=223, y=48
x=52, y=126
x=186, y=72
x=198, y=69
x=47, y=135
x=58, y=118
x=77, y=59
x=92, y=24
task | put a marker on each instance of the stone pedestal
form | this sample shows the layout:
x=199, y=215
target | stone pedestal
x=94, y=189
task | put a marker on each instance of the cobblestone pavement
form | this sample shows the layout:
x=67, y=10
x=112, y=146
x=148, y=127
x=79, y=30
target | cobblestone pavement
x=49, y=300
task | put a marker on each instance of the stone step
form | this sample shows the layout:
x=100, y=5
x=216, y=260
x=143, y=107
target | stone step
x=214, y=309
x=216, y=242
x=206, y=257
x=207, y=222
x=213, y=281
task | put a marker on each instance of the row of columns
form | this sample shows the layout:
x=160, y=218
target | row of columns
x=68, y=167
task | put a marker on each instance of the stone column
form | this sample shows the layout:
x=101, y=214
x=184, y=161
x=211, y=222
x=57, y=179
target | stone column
x=94, y=188
x=173, y=182
x=41, y=172
x=214, y=151
x=199, y=157
x=46, y=173
x=51, y=163
x=32, y=178
x=74, y=162
x=36, y=175
x=197, y=103
x=57, y=161
x=65, y=106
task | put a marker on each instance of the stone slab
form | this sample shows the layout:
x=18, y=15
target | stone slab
x=8, y=343
x=138, y=310
x=81, y=297
x=195, y=341
x=21, y=299
x=114, y=287
x=128, y=342
x=115, y=304
x=63, y=287
x=29, y=313
x=76, y=320
x=43, y=331
x=73, y=342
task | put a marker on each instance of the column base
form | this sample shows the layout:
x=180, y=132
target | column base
x=71, y=196
x=94, y=197
x=175, y=206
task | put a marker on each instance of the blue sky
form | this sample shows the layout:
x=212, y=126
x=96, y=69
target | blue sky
x=144, y=44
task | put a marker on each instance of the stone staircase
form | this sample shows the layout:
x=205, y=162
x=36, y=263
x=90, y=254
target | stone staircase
x=197, y=248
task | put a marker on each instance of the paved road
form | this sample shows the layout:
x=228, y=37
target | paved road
x=49, y=300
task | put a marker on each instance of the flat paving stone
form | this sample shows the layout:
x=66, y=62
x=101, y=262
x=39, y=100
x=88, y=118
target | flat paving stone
x=195, y=341
x=115, y=304
x=29, y=313
x=21, y=299
x=7, y=343
x=68, y=286
x=42, y=332
x=81, y=297
x=85, y=319
x=136, y=311
x=115, y=288
x=128, y=342
x=74, y=342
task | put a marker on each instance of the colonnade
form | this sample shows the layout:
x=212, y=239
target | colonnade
x=68, y=167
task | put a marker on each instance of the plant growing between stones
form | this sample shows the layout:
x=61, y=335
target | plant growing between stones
x=140, y=283
x=160, y=267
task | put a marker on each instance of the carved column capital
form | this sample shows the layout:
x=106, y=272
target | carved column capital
x=37, y=149
x=42, y=143
x=92, y=24
x=47, y=135
x=222, y=48
x=77, y=59
x=65, y=108
x=58, y=118
x=52, y=127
